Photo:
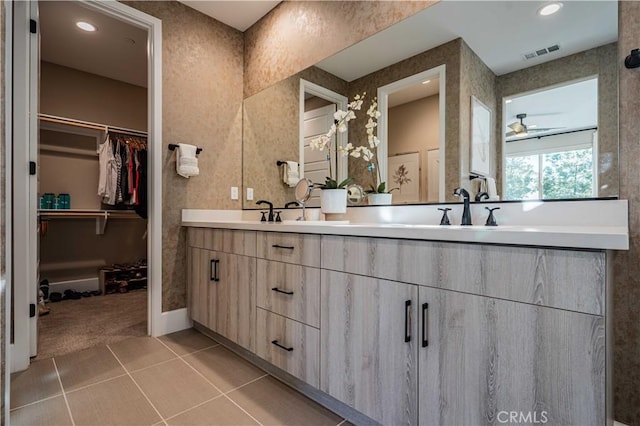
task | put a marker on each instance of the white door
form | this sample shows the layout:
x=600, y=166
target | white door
x=24, y=189
x=316, y=163
x=433, y=175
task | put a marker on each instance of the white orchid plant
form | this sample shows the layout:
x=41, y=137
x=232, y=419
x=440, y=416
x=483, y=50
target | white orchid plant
x=368, y=154
x=341, y=118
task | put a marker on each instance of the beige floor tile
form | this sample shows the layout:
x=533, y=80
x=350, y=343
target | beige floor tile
x=174, y=387
x=51, y=412
x=87, y=367
x=38, y=382
x=115, y=402
x=218, y=412
x=273, y=403
x=141, y=352
x=223, y=368
x=187, y=341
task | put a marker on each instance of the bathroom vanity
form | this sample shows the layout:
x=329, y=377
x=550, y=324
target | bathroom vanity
x=414, y=329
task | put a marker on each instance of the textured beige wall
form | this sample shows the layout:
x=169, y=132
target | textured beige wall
x=76, y=94
x=415, y=127
x=201, y=105
x=447, y=54
x=477, y=80
x=626, y=275
x=271, y=132
x=286, y=40
x=601, y=61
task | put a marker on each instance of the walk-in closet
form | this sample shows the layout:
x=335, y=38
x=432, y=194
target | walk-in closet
x=92, y=180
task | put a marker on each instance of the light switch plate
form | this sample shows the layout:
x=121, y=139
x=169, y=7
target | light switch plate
x=249, y=194
x=234, y=192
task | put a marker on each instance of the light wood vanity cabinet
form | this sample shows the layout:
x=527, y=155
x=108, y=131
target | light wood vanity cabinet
x=288, y=303
x=414, y=332
x=476, y=350
x=221, y=291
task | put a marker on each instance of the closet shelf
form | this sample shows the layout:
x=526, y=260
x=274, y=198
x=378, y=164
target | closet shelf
x=101, y=216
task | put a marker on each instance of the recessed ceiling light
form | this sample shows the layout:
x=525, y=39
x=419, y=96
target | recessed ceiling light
x=85, y=26
x=508, y=101
x=426, y=82
x=532, y=126
x=549, y=9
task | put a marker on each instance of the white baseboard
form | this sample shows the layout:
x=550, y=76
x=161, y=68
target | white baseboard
x=172, y=321
x=86, y=284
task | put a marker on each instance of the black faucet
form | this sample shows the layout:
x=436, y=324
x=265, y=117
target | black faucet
x=482, y=196
x=270, y=204
x=291, y=203
x=466, y=213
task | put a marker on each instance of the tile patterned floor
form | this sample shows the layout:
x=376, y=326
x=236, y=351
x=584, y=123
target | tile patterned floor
x=183, y=378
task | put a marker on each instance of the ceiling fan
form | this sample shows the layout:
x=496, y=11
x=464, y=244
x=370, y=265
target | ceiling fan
x=520, y=129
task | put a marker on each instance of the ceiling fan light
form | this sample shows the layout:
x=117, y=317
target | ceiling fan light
x=549, y=9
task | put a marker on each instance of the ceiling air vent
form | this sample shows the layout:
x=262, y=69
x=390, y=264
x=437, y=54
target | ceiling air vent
x=540, y=52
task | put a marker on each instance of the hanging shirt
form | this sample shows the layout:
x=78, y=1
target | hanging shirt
x=108, y=172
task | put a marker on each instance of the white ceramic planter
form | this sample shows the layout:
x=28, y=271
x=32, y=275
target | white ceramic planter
x=379, y=199
x=333, y=200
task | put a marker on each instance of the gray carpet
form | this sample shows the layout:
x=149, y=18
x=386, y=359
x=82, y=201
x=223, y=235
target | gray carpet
x=73, y=325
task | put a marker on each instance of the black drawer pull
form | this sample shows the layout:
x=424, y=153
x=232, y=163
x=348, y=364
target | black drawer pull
x=276, y=289
x=275, y=342
x=407, y=321
x=283, y=247
x=214, y=270
x=425, y=325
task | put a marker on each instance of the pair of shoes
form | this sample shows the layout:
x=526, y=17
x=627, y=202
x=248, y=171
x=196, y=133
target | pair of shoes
x=86, y=294
x=96, y=293
x=55, y=297
x=71, y=294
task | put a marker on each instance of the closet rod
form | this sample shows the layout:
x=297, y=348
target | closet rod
x=90, y=125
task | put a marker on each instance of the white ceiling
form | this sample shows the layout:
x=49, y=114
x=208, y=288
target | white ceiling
x=239, y=14
x=499, y=32
x=116, y=50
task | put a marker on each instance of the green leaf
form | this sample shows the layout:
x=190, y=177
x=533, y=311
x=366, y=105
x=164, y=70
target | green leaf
x=345, y=182
x=381, y=188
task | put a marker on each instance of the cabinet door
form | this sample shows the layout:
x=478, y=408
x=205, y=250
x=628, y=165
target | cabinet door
x=232, y=306
x=368, y=345
x=484, y=359
x=199, y=278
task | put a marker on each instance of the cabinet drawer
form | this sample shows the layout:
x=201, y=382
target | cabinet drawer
x=289, y=290
x=223, y=240
x=567, y=279
x=298, y=350
x=300, y=249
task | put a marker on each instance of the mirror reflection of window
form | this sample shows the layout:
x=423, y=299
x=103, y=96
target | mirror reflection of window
x=317, y=120
x=551, y=143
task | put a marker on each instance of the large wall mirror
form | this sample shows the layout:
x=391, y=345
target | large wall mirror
x=466, y=89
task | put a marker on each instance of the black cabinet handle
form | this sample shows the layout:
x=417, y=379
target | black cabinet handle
x=407, y=321
x=275, y=342
x=425, y=325
x=283, y=247
x=276, y=289
x=214, y=270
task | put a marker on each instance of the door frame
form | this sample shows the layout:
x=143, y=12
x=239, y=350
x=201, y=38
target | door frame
x=341, y=137
x=383, y=126
x=18, y=355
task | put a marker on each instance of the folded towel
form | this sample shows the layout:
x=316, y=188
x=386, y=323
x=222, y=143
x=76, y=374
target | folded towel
x=186, y=161
x=291, y=175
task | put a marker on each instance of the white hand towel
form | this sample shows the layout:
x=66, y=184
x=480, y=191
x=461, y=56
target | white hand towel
x=492, y=189
x=291, y=175
x=186, y=161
